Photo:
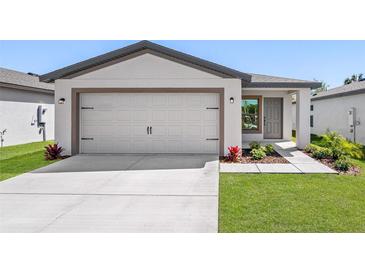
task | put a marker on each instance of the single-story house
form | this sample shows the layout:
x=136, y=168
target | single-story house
x=26, y=108
x=340, y=109
x=146, y=98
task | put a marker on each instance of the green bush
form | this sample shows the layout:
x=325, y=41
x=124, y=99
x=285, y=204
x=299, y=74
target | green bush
x=258, y=153
x=339, y=146
x=322, y=152
x=311, y=148
x=343, y=164
x=255, y=145
x=269, y=149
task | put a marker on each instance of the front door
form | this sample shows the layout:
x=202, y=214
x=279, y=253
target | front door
x=273, y=118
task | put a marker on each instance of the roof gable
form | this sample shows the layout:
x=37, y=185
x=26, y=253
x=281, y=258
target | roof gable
x=146, y=66
x=138, y=49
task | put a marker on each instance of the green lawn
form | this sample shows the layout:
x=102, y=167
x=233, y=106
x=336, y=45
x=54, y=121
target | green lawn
x=292, y=202
x=15, y=160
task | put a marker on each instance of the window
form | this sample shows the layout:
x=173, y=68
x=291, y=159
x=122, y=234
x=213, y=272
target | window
x=311, y=120
x=251, y=114
x=311, y=107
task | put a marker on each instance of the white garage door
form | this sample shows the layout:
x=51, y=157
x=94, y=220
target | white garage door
x=149, y=123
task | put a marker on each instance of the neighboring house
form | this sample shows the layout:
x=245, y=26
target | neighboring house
x=146, y=98
x=26, y=108
x=341, y=109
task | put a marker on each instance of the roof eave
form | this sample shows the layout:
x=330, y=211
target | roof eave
x=312, y=85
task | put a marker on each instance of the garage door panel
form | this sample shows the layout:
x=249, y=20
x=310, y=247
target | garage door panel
x=159, y=100
x=175, y=115
x=180, y=123
x=194, y=100
x=123, y=115
x=141, y=101
x=210, y=131
x=159, y=115
x=193, y=131
x=192, y=115
x=175, y=100
x=159, y=131
x=96, y=115
x=211, y=115
x=210, y=146
x=158, y=146
x=211, y=101
x=175, y=131
x=139, y=131
x=140, y=116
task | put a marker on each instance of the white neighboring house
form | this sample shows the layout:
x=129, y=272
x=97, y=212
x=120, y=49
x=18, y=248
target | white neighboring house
x=146, y=98
x=340, y=109
x=26, y=108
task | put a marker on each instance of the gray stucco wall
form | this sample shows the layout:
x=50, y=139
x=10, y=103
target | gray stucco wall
x=18, y=115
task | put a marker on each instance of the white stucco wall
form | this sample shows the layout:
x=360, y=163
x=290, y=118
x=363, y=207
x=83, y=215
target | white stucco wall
x=332, y=114
x=18, y=115
x=149, y=71
x=287, y=119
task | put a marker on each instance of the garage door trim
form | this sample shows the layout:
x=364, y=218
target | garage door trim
x=75, y=104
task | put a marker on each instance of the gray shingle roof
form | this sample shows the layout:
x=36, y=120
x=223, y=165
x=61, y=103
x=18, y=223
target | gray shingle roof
x=12, y=77
x=248, y=79
x=260, y=80
x=345, y=90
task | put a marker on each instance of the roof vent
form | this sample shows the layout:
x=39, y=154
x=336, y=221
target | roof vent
x=33, y=74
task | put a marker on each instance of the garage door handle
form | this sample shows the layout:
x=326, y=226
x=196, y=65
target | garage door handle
x=212, y=139
x=212, y=108
x=87, y=139
x=148, y=130
x=87, y=107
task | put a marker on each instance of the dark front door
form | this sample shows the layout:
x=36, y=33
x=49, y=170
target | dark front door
x=273, y=118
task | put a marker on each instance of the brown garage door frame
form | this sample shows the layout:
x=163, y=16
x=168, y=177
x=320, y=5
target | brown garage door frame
x=75, y=108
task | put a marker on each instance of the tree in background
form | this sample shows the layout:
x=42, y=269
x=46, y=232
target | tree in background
x=354, y=78
x=322, y=88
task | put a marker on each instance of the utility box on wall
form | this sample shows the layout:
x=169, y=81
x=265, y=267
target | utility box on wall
x=351, y=119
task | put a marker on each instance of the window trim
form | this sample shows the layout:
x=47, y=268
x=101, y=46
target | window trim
x=253, y=131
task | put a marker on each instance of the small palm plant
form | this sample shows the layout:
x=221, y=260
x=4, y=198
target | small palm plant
x=53, y=152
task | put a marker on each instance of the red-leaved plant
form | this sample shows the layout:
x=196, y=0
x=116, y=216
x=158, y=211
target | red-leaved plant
x=53, y=152
x=234, y=154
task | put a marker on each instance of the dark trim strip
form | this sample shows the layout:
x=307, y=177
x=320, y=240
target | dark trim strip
x=312, y=85
x=337, y=95
x=34, y=89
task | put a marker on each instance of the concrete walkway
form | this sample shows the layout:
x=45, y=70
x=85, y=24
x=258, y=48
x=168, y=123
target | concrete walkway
x=114, y=193
x=298, y=163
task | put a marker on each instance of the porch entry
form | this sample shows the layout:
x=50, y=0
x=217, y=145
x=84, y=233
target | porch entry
x=273, y=118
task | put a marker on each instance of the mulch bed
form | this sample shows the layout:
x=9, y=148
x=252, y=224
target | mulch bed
x=354, y=170
x=275, y=158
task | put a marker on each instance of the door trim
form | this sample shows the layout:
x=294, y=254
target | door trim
x=75, y=108
x=281, y=120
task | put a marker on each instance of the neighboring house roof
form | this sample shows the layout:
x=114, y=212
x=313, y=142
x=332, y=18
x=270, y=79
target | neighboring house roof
x=346, y=90
x=21, y=80
x=248, y=80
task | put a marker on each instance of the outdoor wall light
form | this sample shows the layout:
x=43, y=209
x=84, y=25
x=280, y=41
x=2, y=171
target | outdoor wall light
x=231, y=100
x=61, y=101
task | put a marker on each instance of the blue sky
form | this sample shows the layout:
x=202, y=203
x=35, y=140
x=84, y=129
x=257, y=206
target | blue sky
x=330, y=61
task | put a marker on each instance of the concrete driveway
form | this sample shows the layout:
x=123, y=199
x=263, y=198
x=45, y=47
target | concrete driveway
x=114, y=193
